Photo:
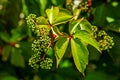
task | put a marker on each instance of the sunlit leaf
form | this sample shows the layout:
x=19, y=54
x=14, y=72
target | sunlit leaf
x=73, y=25
x=80, y=55
x=62, y=17
x=87, y=38
x=85, y=25
x=52, y=14
x=58, y=16
x=56, y=31
x=60, y=48
x=42, y=21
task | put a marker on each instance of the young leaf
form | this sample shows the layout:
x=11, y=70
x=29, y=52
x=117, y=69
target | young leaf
x=52, y=13
x=60, y=48
x=80, y=54
x=17, y=58
x=87, y=38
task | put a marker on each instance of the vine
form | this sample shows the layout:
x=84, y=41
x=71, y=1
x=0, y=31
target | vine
x=80, y=34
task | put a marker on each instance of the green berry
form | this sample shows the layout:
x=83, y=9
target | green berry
x=46, y=63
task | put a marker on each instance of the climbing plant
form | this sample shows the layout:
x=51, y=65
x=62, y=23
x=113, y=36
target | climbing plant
x=65, y=31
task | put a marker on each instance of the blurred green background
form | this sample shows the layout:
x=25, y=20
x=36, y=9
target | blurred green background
x=16, y=39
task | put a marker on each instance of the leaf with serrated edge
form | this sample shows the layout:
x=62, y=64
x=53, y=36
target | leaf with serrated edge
x=73, y=25
x=80, y=55
x=41, y=21
x=87, y=38
x=60, y=48
x=52, y=13
x=85, y=25
x=63, y=16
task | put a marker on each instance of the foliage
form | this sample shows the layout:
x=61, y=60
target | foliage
x=81, y=40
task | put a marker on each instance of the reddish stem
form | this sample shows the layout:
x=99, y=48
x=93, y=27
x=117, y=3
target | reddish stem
x=70, y=36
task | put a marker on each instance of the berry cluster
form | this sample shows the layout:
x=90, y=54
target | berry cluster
x=105, y=41
x=84, y=6
x=40, y=45
x=94, y=31
x=34, y=61
x=46, y=63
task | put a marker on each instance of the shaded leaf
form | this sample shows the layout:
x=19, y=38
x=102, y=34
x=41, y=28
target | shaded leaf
x=100, y=15
x=50, y=52
x=6, y=52
x=4, y=36
x=114, y=26
x=60, y=48
x=43, y=5
x=87, y=38
x=10, y=78
x=80, y=55
x=17, y=58
x=58, y=2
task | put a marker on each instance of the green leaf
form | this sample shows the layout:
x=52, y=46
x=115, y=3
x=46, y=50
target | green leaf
x=50, y=52
x=85, y=25
x=18, y=34
x=60, y=48
x=100, y=14
x=58, y=16
x=62, y=17
x=114, y=26
x=73, y=25
x=43, y=5
x=52, y=14
x=58, y=2
x=6, y=52
x=10, y=78
x=80, y=55
x=87, y=38
x=17, y=37
x=56, y=31
x=41, y=21
x=17, y=58
x=4, y=36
